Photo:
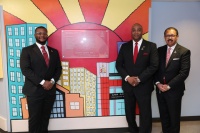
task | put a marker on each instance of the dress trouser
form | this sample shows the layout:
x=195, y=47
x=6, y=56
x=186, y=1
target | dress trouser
x=39, y=108
x=144, y=103
x=170, y=111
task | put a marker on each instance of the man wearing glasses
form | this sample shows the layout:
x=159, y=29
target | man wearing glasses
x=174, y=67
x=41, y=66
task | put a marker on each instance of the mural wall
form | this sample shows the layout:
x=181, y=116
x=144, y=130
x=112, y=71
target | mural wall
x=87, y=34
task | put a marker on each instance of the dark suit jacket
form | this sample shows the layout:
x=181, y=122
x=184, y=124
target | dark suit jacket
x=177, y=69
x=145, y=66
x=34, y=69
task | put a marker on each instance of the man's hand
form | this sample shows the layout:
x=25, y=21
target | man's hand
x=133, y=81
x=162, y=87
x=47, y=85
x=166, y=87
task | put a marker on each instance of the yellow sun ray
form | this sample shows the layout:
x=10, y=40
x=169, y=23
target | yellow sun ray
x=146, y=36
x=72, y=10
x=118, y=10
x=28, y=12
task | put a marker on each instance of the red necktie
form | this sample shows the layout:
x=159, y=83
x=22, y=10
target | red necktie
x=168, y=55
x=45, y=55
x=135, y=52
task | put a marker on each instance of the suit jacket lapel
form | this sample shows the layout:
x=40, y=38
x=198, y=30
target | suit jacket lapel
x=37, y=51
x=129, y=50
x=50, y=55
x=174, y=54
x=141, y=50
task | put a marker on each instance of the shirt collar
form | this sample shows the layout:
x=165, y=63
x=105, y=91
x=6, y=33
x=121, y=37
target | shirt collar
x=139, y=42
x=173, y=47
x=40, y=45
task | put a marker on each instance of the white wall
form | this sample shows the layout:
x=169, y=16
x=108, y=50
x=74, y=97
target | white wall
x=185, y=16
x=4, y=111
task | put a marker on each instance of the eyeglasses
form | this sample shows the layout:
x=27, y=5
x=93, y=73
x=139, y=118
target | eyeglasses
x=168, y=36
x=41, y=33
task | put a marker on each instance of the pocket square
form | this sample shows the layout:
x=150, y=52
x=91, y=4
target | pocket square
x=176, y=58
x=145, y=54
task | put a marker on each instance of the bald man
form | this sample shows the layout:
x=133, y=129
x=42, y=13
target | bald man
x=137, y=62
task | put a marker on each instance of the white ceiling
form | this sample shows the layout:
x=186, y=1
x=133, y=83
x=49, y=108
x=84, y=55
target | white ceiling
x=175, y=0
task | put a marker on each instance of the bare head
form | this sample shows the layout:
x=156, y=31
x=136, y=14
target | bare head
x=137, y=32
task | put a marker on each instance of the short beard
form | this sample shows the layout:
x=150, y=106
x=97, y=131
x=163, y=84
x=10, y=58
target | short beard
x=42, y=43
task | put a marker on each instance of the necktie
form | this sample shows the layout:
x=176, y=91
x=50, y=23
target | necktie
x=135, y=52
x=168, y=55
x=45, y=55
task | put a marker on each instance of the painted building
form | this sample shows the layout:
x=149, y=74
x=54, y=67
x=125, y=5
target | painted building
x=65, y=75
x=73, y=103
x=110, y=98
x=65, y=105
x=84, y=82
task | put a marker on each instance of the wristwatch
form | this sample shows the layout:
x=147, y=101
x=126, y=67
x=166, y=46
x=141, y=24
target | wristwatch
x=52, y=81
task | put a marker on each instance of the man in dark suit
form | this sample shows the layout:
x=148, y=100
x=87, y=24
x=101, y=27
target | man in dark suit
x=174, y=67
x=137, y=62
x=42, y=69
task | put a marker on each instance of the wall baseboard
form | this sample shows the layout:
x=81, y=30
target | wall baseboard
x=60, y=124
x=3, y=124
x=183, y=118
x=22, y=125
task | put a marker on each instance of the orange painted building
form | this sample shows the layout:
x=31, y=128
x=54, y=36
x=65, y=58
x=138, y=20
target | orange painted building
x=73, y=104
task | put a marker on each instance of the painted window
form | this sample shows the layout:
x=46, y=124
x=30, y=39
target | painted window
x=11, y=52
x=20, y=99
x=20, y=111
x=18, y=63
x=20, y=89
x=18, y=77
x=30, y=30
x=13, y=89
x=30, y=41
x=10, y=42
x=12, y=76
x=23, y=43
x=17, y=44
x=18, y=53
x=14, y=111
x=74, y=105
x=13, y=100
x=16, y=31
x=22, y=31
x=11, y=62
x=10, y=31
